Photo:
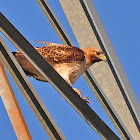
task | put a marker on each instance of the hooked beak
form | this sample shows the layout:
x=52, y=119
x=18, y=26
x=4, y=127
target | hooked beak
x=103, y=58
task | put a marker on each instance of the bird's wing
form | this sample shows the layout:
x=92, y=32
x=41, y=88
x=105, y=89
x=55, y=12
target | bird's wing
x=54, y=54
x=58, y=53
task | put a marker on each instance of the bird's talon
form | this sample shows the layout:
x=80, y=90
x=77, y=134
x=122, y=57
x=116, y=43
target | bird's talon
x=78, y=92
x=89, y=102
x=86, y=99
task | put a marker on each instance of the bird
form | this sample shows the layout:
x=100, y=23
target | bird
x=69, y=61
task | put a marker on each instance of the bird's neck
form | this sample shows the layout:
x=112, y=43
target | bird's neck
x=88, y=60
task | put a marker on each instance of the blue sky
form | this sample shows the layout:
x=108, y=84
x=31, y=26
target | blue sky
x=121, y=20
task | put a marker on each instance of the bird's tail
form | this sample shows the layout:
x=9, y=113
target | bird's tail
x=49, y=43
x=42, y=42
x=17, y=53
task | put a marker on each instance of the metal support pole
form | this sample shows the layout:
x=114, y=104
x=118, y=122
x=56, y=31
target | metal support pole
x=29, y=93
x=12, y=107
x=109, y=83
x=56, y=80
x=54, y=22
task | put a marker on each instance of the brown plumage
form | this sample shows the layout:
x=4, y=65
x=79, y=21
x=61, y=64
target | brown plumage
x=70, y=62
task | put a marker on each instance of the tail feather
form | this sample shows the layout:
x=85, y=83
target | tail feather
x=49, y=43
x=42, y=42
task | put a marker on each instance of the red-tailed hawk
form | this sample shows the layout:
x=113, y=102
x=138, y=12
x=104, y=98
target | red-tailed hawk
x=69, y=61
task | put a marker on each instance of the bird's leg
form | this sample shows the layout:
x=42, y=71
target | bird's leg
x=86, y=99
x=78, y=92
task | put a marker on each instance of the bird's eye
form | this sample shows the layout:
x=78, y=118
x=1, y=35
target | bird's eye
x=98, y=53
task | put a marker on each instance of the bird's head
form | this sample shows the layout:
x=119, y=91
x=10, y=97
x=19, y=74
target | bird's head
x=94, y=54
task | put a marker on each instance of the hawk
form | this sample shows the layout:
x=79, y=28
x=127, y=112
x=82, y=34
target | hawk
x=69, y=61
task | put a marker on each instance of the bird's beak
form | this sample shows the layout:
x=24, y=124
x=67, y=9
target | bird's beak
x=103, y=58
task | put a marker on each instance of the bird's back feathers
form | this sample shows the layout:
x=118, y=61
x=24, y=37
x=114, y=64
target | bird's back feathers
x=61, y=53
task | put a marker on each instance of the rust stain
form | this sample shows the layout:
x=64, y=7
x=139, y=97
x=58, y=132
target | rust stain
x=12, y=107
